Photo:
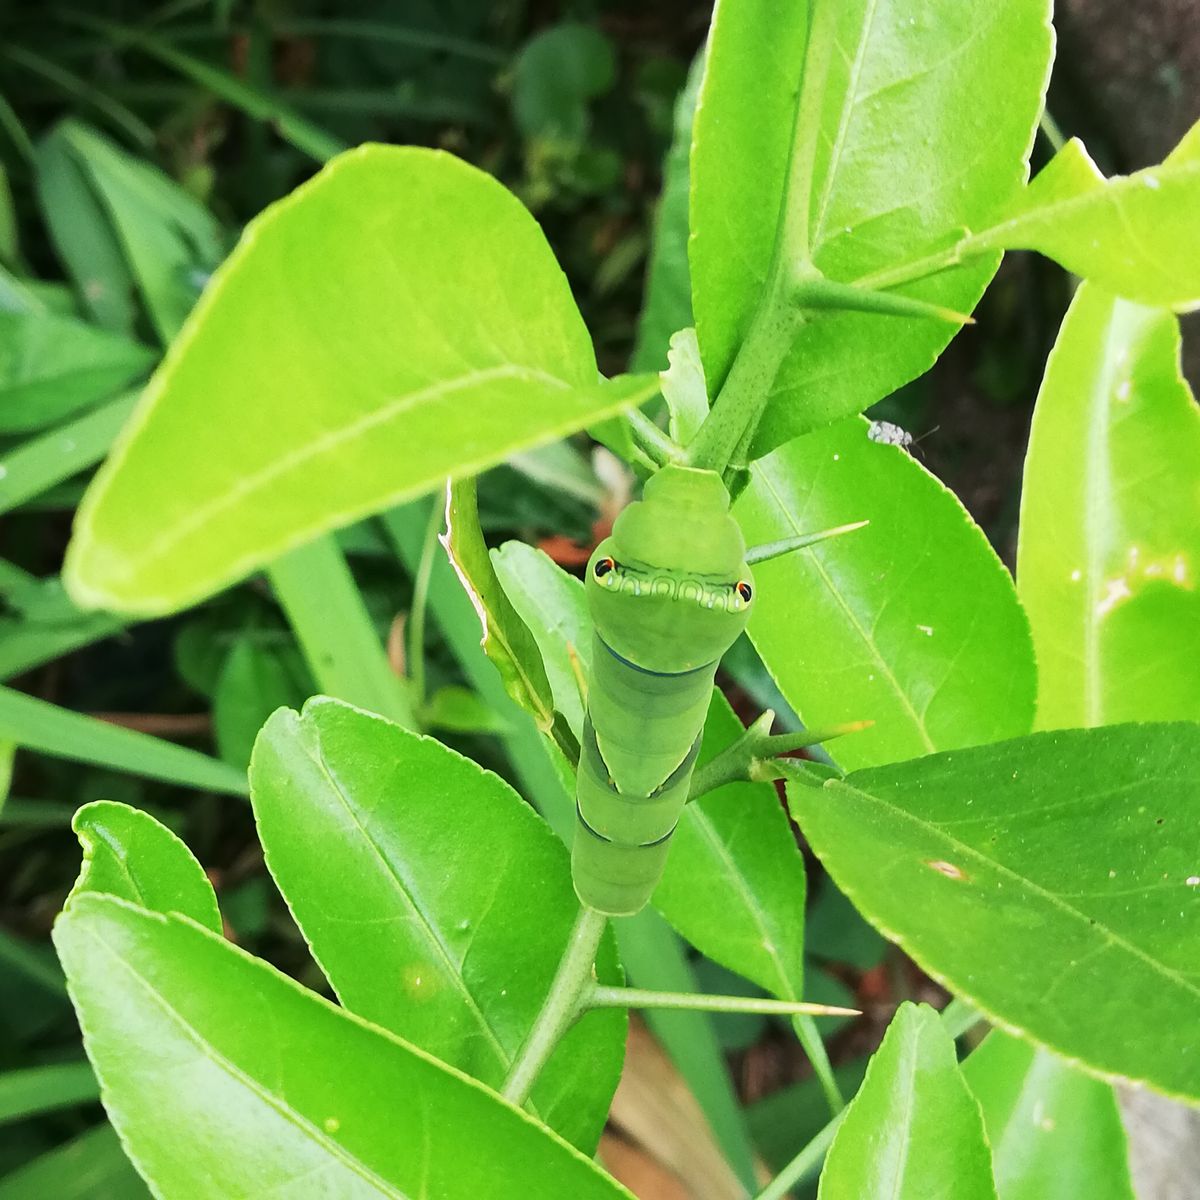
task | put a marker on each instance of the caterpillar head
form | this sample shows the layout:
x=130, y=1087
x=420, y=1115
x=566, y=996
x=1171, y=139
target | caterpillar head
x=669, y=590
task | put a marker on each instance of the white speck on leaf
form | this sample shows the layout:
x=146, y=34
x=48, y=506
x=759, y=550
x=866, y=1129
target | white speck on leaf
x=332, y=1124
x=1115, y=591
x=1193, y=881
x=1112, y=874
x=1151, y=181
x=927, y=630
x=1076, y=575
x=1124, y=388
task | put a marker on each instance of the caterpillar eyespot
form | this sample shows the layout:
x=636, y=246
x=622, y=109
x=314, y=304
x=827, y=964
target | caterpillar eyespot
x=603, y=566
x=745, y=590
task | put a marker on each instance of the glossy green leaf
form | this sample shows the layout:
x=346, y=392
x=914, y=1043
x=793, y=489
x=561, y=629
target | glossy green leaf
x=1110, y=525
x=1055, y=1133
x=1051, y=881
x=37, y=464
x=1136, y=235
x=460, y=710
x=370, y=378
x=882, y=130
x=913, y=1132
x=85, y=1168
x=44, y=1089
x=437, y=902
x=911, y=622
x=128, y=854
x=52, y=366
x=38, y=725
x=226, y=1078
x=667, y=305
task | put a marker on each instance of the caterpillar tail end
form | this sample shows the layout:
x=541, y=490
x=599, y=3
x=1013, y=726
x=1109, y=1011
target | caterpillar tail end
x=616, y=880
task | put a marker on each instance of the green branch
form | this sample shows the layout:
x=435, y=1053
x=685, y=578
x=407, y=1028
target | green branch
x=600, y=996
x=561, y=1007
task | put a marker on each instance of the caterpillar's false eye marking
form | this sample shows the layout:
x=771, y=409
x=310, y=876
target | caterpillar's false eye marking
x=603, y=566
x=745, y=590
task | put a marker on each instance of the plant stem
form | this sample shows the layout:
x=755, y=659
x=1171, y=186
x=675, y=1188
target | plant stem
x=420, y=604
x=600, y=996
x=656, y=444
x=959, y=1017
x=805, y=1163
x=561, y=1007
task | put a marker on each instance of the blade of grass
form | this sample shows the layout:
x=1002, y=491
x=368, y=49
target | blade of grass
x=43, y=1089
x=76, y=86
x=37, y=964
x=37, y=725
x=41, y=462
x=326, y=610
x=46, y=625
x=379, y=31
x=306, y=137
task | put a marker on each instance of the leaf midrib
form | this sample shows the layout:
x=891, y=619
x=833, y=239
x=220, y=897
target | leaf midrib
x=289, y=1114
x=433, y=938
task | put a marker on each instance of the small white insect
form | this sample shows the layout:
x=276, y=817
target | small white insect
x=889, y=434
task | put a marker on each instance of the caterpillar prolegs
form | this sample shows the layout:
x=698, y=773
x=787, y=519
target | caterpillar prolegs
x=669, y=592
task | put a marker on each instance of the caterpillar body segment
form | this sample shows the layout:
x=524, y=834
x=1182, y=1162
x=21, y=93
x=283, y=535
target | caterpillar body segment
x=669, y=592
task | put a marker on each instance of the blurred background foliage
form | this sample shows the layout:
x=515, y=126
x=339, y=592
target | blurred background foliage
x=136, y=140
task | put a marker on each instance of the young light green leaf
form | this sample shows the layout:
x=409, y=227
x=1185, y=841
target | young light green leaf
x=246, y=1083
x=90, y=1165
x=1110, y=528
x=371, y=377
x=913, y=1132
x=1055, y=1133
x=460, y=710
x=1137, y=235
x=25, y=1093
x=1051, y=881
x=551, y=605
x=44, y=727
x=128, y=854
x=52, y=366
x=33, y=466
x=446, y=937
x=875, y=133
x=911, y=622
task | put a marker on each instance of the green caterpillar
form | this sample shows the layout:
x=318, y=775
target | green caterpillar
x=669, y=592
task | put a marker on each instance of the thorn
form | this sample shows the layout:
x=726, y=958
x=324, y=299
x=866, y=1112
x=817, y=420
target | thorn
x=827, y=295
x=769, y=550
